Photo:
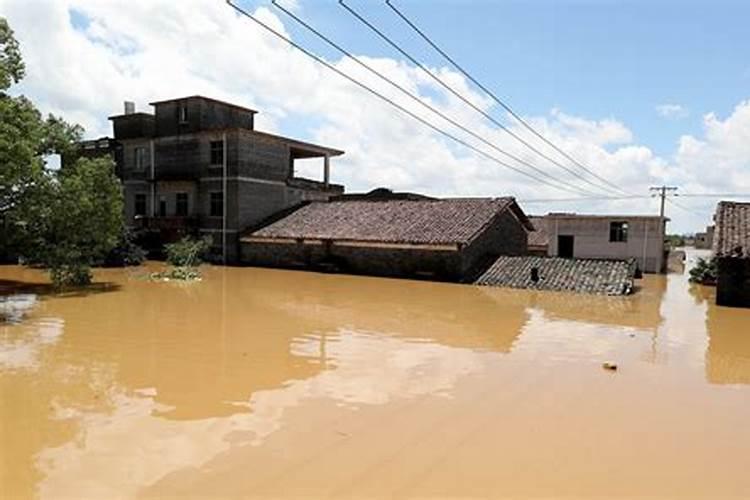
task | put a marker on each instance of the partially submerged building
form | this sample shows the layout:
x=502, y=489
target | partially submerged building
x=197, y=165
x=608, y=237
x=446, y=239
x=600, y=277
x=732, y=250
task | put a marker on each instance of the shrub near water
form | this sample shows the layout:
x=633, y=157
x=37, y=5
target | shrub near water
x=705, y=272
x=185, y=258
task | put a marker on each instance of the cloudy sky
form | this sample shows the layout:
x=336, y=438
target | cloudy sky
x=640, y=94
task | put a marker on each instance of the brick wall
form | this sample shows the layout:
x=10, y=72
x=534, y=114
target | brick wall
x=504, y=236
x=733, y=287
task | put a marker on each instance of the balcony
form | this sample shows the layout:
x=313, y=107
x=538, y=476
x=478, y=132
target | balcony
x=170, y=223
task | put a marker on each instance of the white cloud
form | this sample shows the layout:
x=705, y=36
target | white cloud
x=147, y=50
x=672, y=111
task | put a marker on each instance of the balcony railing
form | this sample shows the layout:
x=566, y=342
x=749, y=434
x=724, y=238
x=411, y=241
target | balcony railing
x=167, y=222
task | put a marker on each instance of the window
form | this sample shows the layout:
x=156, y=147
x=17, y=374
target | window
x=141, y=158
x=162, y=206
x=140, y=204
x=181, y=208
x=217, y=204
x=183, y=113
x=217, y=153
x=618, y=231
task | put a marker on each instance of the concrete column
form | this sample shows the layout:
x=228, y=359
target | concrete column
x=327, y=170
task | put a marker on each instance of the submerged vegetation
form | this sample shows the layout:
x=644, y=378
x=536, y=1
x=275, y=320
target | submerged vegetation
x=184, y=258
x=705, y=272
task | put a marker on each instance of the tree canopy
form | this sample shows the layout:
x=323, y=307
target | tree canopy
x=63, y=220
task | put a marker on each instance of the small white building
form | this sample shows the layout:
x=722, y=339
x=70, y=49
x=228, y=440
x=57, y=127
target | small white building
x=639, y=237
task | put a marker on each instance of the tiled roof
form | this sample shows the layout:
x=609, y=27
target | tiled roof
x=604, y=277
x=732, y=231
x=446, y=221
x=538, y=237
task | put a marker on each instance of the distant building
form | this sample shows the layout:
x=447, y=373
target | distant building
x=731, y=247
x=610, y=237
x=197, y=165
x=447, y=239
x=704, y=240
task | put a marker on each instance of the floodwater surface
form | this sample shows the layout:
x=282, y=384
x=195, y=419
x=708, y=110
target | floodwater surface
x=259, y=383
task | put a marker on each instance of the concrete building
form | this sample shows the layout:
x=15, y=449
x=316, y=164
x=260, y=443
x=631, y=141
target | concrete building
x=704, y=240
x=732, y=250
x=446, y=239
x=197, y=165
x=609, y=237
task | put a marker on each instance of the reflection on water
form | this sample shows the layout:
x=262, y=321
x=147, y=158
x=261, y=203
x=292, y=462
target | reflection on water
x=282, y=384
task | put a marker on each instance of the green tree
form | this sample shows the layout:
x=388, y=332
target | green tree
x=72, y=219
x=62, y=220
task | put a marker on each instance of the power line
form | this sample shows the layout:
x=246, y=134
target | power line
x=457, y=94
x=684, y=208
x=390, y=101
x=487, y=91
x=715, y=195
x=414, y=97
x=592, y=198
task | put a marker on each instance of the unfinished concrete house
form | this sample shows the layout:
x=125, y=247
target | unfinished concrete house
x=609, y=237
x=446, y=239
x=732, y=250
x=197, y=165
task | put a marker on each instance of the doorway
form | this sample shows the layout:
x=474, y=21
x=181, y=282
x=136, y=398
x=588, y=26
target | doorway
x=565, y=244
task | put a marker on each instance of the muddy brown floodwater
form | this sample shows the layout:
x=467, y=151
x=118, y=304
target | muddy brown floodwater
x=260, y=383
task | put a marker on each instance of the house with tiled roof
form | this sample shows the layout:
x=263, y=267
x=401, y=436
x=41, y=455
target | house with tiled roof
x=731, y=247
x=538, y=238
x=449, y=239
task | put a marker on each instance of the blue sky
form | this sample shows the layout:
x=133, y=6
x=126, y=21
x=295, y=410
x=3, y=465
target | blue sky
x=644, y=93
x=595, y=58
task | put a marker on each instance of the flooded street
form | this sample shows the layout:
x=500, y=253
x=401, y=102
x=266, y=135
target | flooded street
x=277, y=384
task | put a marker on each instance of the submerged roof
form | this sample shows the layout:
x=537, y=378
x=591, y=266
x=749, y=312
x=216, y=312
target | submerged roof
x=446, y=221
x=732, y=231
x=604, y=277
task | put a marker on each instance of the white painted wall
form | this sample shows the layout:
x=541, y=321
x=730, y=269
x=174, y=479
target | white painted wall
x=591, y=239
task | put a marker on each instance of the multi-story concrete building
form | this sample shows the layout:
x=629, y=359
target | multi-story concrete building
x=639, y=237
x=197, y=165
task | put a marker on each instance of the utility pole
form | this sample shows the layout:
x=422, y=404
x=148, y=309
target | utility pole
x=662, y=192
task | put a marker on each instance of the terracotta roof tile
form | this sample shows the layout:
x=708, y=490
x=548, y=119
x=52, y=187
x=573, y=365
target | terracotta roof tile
x=732, y=231
x=604, y=277
x=446, y=221
x=538, y=237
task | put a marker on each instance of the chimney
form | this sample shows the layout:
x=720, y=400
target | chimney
x=129, y=107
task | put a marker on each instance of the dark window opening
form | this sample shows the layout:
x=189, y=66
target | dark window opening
x=140, y=204
x=162, y=207
x=217, y=204
x=217, y=153
x=181, y=207
x=618, y=231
